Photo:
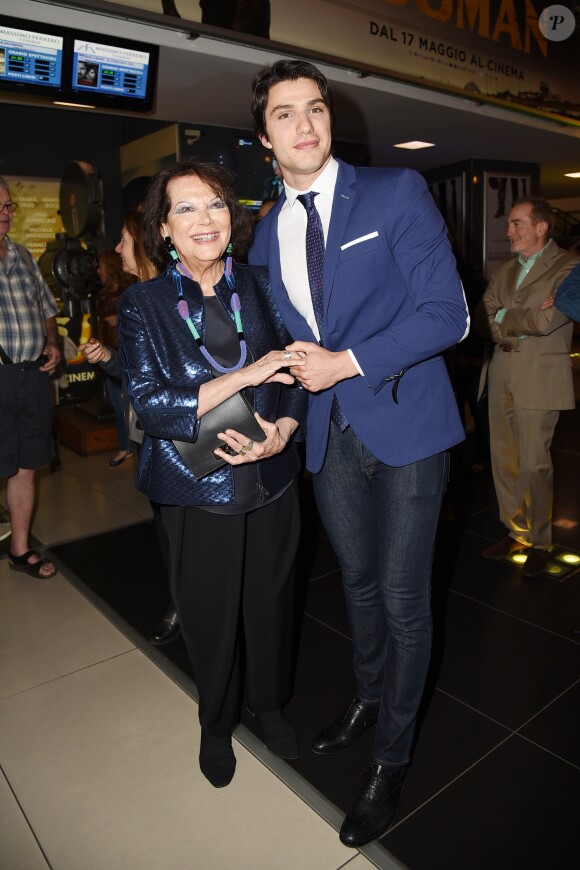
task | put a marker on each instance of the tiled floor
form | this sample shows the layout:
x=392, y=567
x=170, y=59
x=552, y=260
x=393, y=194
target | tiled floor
x=98, y=745
x=98, y=731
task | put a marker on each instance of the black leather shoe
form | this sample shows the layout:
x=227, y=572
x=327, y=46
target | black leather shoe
x=167, y=630
x=346, y=730
x=375, y=805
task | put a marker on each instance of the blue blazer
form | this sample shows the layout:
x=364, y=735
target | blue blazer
x=568, y=295
x=164, y=370
x=393, y=296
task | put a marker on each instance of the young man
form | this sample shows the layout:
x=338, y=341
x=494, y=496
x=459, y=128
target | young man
x=364, y=277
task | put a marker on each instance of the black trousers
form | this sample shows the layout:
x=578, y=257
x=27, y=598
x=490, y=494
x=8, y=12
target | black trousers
x=232, y=581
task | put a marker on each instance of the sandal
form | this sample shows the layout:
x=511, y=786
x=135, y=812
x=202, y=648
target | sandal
x=34, y=569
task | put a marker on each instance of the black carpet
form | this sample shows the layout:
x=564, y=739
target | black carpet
x=495, y=779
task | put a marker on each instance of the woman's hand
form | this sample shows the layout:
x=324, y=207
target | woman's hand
x=264, y=371
x=245, y=450
x=95, y=352
x=267, y=369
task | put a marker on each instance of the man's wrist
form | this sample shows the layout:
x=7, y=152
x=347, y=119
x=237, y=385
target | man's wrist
x=348, y=367
x=355, y=361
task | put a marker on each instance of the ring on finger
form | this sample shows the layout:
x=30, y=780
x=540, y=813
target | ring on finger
x=244, y=449
x=287, y=355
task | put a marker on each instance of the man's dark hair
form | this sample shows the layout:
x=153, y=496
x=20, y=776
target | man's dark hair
x=157, y=204
x=541, y=210
x=285, y=71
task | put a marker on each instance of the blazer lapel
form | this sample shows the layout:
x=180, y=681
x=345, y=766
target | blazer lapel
x=540, y=267
x=344, y=198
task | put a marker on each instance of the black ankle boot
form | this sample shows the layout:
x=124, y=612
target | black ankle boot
x=217, y=761
x=168, y=628
x=279, y=735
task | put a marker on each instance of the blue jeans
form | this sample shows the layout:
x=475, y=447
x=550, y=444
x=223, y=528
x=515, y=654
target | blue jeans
x=381, y=522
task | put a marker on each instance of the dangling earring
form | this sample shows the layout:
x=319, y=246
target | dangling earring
x=171, y=248
x=229, y=261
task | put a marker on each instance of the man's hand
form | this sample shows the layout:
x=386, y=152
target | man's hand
x=547, y=303
x=322, y=368
x=53, y=353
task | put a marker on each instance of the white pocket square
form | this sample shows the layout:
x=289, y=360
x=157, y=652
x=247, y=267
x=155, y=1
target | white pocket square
x=359, y=240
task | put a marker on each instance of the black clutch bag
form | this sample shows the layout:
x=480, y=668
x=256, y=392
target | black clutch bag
x=234, y=413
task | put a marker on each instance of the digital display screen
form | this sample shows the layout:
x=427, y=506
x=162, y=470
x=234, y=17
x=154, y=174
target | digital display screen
x=77, y=67
x=117, y=71
x=30, y=57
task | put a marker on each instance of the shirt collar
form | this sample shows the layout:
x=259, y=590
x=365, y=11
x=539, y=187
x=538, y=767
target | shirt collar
x=324, y=184
x=532, y=259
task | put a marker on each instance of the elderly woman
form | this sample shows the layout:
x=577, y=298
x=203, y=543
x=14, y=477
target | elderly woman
x=204, y=330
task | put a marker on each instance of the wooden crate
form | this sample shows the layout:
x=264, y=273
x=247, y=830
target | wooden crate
x=84, y=433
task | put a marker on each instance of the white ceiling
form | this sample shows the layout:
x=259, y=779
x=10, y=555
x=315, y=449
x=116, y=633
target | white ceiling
x=206, y=81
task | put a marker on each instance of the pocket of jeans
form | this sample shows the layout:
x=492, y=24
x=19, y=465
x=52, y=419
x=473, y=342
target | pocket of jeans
x=430, y=476
x=369, y=462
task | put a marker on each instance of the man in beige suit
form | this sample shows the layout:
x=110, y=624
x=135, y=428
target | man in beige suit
x=529, y=376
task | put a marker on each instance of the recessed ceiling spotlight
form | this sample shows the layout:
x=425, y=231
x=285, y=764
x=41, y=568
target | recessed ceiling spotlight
x=415, y=145
x=572, y=174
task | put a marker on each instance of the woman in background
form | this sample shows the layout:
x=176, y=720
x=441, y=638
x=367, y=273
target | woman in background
x=115, y=281
x=131, y=249
x=137, y=265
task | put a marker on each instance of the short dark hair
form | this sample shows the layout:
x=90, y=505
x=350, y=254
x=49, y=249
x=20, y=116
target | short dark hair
x=285, y=71
x=541, y=210
x=156, y=206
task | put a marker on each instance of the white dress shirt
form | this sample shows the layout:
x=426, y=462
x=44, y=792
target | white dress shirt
x=292, y=222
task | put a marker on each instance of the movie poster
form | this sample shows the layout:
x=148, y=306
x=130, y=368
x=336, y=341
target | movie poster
x=36, y=220
x=494, y=49
x=501, y=192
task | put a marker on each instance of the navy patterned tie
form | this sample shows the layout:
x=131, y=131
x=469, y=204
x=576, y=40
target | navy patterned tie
x=315, y=267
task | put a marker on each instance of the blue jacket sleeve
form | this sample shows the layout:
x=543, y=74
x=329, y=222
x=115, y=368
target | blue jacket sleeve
x=165, y=409
x=568, y=295
x=436, y=316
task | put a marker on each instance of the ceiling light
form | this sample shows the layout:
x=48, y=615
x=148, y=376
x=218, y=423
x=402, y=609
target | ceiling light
x=572, y=174
x=415, y=145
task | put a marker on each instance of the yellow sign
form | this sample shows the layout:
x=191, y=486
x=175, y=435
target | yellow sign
x=36, y=221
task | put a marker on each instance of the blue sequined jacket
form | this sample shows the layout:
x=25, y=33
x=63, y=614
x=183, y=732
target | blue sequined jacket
x=164, y=369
